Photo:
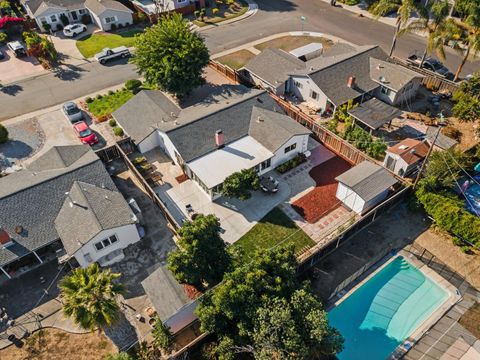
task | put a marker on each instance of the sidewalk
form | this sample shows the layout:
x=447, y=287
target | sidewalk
x=252, y=10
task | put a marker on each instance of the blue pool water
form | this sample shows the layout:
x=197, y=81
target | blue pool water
x=384, y=311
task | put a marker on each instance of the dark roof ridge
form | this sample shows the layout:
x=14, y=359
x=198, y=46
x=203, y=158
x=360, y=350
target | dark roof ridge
x=354, y=54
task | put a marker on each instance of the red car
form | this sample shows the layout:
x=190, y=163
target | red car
x=86, y=135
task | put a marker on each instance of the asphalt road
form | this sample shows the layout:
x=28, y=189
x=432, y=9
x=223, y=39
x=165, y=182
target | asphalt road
x=274, y=16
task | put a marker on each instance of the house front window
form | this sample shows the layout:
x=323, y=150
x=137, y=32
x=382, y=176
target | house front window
x=74, y=15
x=110, y=19
x=53, y=18
x=266, y=164
x=290, y=148
x=82, y=11
x=385, y=90
x=314, y=95
x=298, y=84
x=106, y=242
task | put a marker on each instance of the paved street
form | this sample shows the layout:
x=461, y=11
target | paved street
x=274, y=16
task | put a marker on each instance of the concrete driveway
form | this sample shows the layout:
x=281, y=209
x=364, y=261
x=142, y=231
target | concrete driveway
x=67, y=48
x=12, y=68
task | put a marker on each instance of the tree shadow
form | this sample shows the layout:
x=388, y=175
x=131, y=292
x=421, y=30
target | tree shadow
x=68, y=72
x=122, y=334
x=277, y=5
x=16, y=149
x=11, y=90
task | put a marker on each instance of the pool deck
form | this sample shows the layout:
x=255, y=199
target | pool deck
x=453, y=297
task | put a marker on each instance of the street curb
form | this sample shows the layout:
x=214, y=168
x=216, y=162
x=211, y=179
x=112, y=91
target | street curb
x=252, y=10
x=275, y=36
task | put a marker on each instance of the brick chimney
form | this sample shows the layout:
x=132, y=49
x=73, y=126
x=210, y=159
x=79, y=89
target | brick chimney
x=351, y=82
x=4, y=237
x=219, y=139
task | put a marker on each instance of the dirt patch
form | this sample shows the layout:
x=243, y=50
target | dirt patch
x=288, y=43
x=53, y=344
x=322, y=200
x=440, y=244
x=237, y=59
x=467, y=131
x=471, y=320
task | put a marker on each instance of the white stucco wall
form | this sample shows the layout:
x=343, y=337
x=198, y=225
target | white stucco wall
x=150, y=142
x=389, y=99
x=407, y=93
x=375, y=201
x=126, y=235
x=354, y=202
x=304, y=92
x=280, y=156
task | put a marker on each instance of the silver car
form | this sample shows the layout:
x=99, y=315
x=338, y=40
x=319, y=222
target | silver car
x=73, y=113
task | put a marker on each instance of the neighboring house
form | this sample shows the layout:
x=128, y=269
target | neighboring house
x=169, y=299
x=406, y=156
x=236, y=129
x=64, y=200
x=364, y=186
x=440, y=141
x=152, y=8
x=373, y=114
x=103, y=13
x=334, y=78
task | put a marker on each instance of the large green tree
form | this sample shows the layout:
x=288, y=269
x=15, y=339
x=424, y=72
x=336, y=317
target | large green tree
x=201, y=259
x=444, y=168
x=171, y=56
x=236, y=310
x=89, y=297
x=467, y=100
x=239, y=184
x=295, y=328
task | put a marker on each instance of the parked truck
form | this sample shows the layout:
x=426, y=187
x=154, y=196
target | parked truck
x=108, y=54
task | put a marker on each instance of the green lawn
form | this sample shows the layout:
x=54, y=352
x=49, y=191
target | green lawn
x=94, y=43
x=109, y=103
x=271, y=230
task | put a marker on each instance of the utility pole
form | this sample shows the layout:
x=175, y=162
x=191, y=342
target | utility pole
x=428, y=153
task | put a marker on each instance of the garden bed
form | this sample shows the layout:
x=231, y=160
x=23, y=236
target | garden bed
x=288, y=43
x=270, y=231
x=292, y=163
x=103, y=105
x=224, y=12
x=94, y=43
x=322, y=200
x=237, y=59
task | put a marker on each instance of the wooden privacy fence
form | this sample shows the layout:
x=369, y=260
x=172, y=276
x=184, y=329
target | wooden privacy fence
x=431, y=80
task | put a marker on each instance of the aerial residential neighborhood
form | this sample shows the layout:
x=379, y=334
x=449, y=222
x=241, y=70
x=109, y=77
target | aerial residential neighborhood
x=240, y=179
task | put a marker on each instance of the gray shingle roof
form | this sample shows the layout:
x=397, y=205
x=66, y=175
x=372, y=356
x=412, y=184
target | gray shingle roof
x=443, y=142
x=391, y=75
x=374, y=113
x=274, y=66
x=165, y=293
x=88, y=210
x=367, y=180
x=39, y=6
x=33, y=199
x=99, y=6
x=332, y=78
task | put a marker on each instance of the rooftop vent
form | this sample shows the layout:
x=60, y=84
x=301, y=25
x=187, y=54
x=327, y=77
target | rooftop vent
x=351, y=82
x=382, y=79
x=219, y=139
x=259, y=119
x=403, y=147
x=19, y=229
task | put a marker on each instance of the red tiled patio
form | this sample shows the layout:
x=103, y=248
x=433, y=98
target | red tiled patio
x=321, y=201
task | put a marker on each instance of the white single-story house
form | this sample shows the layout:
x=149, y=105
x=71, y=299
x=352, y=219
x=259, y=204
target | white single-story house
x=364, y=186
x=95, y=224
x=238, y=129
x=58, y=13
x=63, y=201
x=406, y=156
x=333, y=78
x=152, y=8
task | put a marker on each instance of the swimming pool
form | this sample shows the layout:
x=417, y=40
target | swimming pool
x=385, y=310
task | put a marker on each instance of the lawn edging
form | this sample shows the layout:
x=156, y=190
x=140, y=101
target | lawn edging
x=251, y=10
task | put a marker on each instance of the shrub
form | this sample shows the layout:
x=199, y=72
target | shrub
x=99, y=96
x=162, y=337
x=59, y=27
x=47, y=27
x=86, y=19
x=197, y=13
x=292, y=163
x=112, y=122
x=88, y=99
x=118, y=131
x=103, y=118
x=111, y=92
x=133, y=84
x=3, y=134
x=120, y=26
x=451, y=132
x=113, y=27
x=215, y=11
x=456, y=241
x=3, y=37
x=466, y=250
x=239, y=184
x=64, y=19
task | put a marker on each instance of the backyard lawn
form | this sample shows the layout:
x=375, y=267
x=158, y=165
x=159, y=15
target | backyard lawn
x=288, y=43
x=94, y=43
x=54, y=344
x=270, y=231
x=109, y=103
x=237, y=59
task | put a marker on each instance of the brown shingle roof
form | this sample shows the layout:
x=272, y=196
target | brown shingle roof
x=410, y=150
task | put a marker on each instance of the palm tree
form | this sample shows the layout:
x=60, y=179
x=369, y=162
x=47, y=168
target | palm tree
x=404, y=9
x=434, y=21
x=471, y=28
x=89, y=297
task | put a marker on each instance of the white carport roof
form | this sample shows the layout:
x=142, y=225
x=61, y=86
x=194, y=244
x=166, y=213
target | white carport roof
x=245, y=153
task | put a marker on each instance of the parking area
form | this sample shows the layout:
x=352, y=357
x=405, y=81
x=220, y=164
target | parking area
x=13, y=68
x=67, y=46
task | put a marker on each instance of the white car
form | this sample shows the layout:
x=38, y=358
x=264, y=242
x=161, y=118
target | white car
x=74, y=29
